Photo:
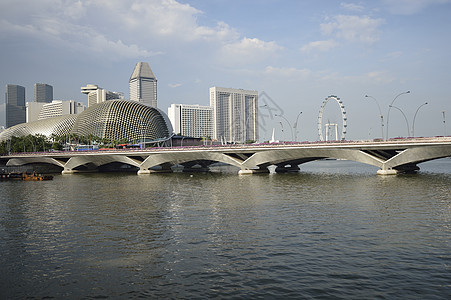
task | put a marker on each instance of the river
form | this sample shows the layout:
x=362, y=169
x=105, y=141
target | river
x=335, y=230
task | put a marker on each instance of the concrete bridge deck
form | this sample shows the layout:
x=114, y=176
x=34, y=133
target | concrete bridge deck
x=392, y=156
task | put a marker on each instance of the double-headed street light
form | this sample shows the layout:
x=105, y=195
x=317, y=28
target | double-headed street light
x=407, y=122
x=295, y=126
x=380, y=114
x=389, y=107
x=413, y=124
x=292, y=137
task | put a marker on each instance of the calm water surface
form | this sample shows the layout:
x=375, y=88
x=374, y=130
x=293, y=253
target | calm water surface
x=334, y=230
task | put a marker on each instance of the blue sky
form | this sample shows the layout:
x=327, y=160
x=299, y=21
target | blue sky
x=296, y=53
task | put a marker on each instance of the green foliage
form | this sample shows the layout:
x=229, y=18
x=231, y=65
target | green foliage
x=29, y=143
x=39, y=143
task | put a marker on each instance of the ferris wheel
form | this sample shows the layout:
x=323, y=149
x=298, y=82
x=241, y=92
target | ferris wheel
x=329, y=125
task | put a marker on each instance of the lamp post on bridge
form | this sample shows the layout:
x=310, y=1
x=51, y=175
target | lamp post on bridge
x=407, y=122
x=380, y=114
x=413, y=123
x=295, y=126
x=388, y=113
x=292, y=136
x=444, y=123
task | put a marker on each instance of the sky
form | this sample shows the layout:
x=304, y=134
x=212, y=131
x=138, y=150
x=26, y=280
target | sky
x=295, y=53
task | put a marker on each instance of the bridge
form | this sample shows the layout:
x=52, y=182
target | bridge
x=392, y=157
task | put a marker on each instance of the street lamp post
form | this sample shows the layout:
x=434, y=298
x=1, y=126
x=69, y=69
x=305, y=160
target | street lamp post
x=292, y=137
x=444, y=123
x=413, y=123
x=380, y=114
x=389, y=107
x=295, y=126
x=407, y=122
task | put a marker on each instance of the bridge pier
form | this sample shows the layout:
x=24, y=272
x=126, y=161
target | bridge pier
x=72, y=171
x=407, y=168
x=387, y=172
x=253, y=171
x=152, y=171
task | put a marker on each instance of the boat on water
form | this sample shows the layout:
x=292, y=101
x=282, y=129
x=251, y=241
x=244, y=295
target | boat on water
x=27, y=176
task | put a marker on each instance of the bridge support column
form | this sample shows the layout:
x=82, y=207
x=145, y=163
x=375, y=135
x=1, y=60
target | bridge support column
x=253, y=171
x=143, y=171
x=387, y=172
x=67, y=171
x=151, y=171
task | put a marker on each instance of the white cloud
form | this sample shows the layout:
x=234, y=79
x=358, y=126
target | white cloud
x=288, y=73
x=368, y=78
x=171, y=19
x=319, y=46
x=75, y=37
x=352, y=7
x=174, y=85
x=75, y=10
x=410, y=7
x=130, y=29
x=378, y=77
x=353, y=28
x=248, y=50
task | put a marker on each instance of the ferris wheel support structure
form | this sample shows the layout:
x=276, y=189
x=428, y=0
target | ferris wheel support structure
x=343, y=117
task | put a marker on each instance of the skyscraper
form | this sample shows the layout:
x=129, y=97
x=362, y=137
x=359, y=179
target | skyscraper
x=235, y=114
x=15, y=105
x=191, y=120
x=43, y=93
x=143, y=85
x=98, y=95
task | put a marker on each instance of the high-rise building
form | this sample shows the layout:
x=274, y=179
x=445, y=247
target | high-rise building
x=191, y=120
x=59, y=107
x=235, y=114
x=143, y=85
x=98, y=95
x=38, y=111
x=43, y=93
x=15, y=105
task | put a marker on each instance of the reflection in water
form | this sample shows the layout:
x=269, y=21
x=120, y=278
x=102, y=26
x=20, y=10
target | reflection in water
x=335, y=229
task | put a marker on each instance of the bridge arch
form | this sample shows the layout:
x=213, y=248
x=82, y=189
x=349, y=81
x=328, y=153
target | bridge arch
x=299, y=156
x=185, y=157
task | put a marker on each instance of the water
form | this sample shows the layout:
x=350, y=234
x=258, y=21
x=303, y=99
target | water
x=334, y=230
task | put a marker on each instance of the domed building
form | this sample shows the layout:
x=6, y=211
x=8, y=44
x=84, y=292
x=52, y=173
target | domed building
x=58, y=126
x=114, y=120
x=117, y=120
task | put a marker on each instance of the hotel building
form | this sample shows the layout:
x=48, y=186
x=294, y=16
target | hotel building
x=191, y=120
x=235, y=114
x=98, y=95
x=143, y=85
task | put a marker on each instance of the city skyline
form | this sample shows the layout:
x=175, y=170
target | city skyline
x=295, y=53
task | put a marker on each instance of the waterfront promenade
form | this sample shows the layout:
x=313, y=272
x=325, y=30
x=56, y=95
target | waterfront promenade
x=392, y=156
